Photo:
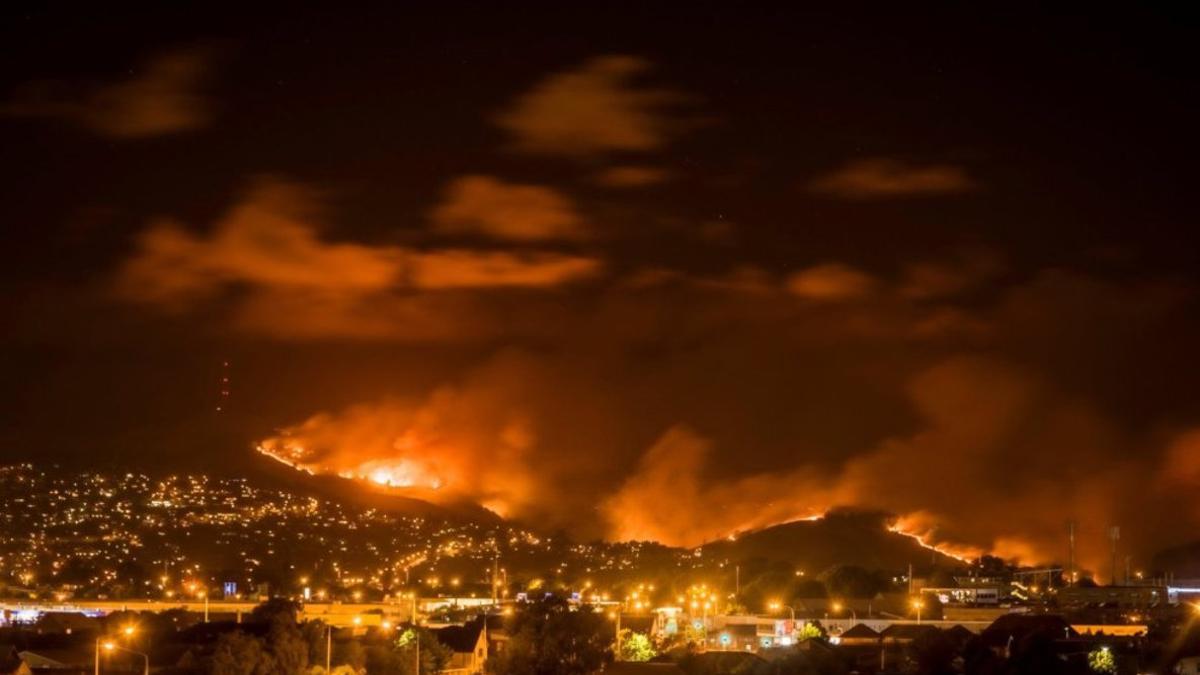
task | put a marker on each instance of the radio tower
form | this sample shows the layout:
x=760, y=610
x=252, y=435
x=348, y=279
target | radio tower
x=223, y=399
x=1114, y=533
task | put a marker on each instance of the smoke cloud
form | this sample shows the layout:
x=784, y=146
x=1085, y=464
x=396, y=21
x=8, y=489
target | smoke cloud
x=997, y=459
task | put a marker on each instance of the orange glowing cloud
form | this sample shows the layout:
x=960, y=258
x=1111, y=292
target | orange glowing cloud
x=632, y=176
x=484, y=269
x=830, y=282
x=881, y=178
x=264, y=241
x=289, y=281
x=163, y=97
x=594, y=109
x=508, y=211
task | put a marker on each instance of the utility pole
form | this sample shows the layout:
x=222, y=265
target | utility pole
x=617, y=655
x=737, y=581
x=1070, y=552
x=328, y=645
x=495, y=576
x=416, y=638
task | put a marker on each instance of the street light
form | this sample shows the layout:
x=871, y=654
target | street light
x=110, y=646
x=775, y=606
x=838, y=607
x=917, y=605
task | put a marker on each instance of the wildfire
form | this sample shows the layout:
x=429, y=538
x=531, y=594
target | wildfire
x=916, y=528
x=400, y=474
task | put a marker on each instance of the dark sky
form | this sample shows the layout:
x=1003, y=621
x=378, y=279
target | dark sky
x=620, y=266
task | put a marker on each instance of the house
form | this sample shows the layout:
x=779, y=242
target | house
x=859, y=635
x=468, y=645
x=42, y=663
x=722, y=662
x=1123, y=597
x=904, y=633
x=959, y=635
x=735, y=637
x=1188, y=665
x=11, y=662
x=1012, y=628
x=66, y=623
x=497, y=635
x=642, y=668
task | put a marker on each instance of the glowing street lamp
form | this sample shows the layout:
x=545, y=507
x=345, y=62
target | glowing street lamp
x=110, y=646
x=917, y=605
x=776, y=606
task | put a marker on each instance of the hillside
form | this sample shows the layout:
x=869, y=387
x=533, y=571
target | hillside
x=841, y=538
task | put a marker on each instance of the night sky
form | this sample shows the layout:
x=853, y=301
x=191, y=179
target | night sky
x=663, y=272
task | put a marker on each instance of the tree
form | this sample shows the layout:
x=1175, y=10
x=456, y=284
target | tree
x=809, y=631
x=979, y=659
x=275, y=609
x=804, y=588
x=1102, y=661
x=933, y=653
x=288, y=647
x=550, y=638
x=434, y=655
x=636, y=646
x=237, y=653
x=350, y=653
x=1034, y=653
x=387, y=660
x=313, y=633
x=852, y=581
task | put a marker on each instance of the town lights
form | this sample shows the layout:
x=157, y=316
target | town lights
x=129, y=630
